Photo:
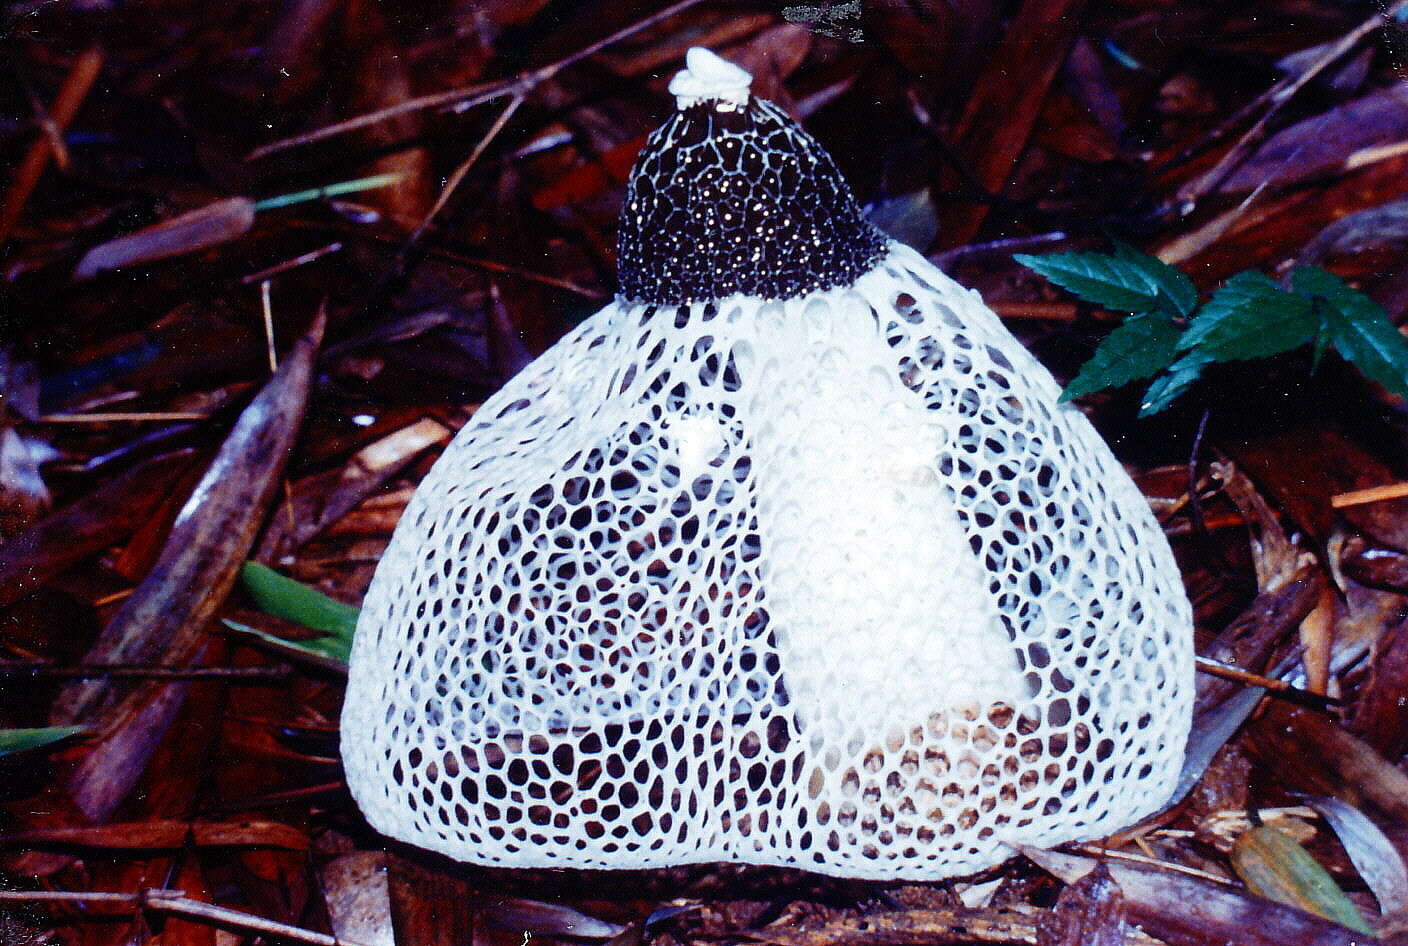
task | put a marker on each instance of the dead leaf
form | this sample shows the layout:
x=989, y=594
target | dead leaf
x=1321, y=144
x=1373, y=854
x=84, y=527
x=164, y=618
x=200, y=229
x=1187, y=911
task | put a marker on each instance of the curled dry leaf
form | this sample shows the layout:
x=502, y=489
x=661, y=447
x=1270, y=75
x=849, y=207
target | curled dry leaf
x=1276, y=555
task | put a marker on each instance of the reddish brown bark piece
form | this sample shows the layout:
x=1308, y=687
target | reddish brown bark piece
x=999, y=117
x=139, y=835
x=1381, y=717
x=92, y=523
x=1090, y=912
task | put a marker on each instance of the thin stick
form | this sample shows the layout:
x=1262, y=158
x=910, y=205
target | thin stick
x=113, y=598
x=131, y=417
x=175, y=901
x=79, y=896
x=450, y=256
x=1228, y=672
x=1374, y=494
x=42, y=671
x=1097, y=851
x=52, y=133
x=278, y=268
x=455, y=179
x=273, y=799
x=1050, y=311
x=66, y=104
x=266, y=304
x=1004, y=246
x=469, y=96
x=1191, y=244
x=496, y=267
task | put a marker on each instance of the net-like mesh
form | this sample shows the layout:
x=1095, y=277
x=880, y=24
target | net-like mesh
x=830, y=582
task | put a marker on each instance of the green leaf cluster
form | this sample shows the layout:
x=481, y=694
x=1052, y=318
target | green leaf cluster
x=1169, y=337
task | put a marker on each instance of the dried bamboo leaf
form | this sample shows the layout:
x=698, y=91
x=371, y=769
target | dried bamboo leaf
x=1373, y=854
x=1274, y=866
x=1321, y=144
x=210, y=539
x=1001, y=114
x=162, y=621
x=200, y=229
x=22, y=740
x=1187, y=911
x=546, y=919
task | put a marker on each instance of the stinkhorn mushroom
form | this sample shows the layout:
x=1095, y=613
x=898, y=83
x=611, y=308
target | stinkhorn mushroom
x=789, y=555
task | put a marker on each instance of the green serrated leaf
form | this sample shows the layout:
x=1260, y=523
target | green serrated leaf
x=21, y=740
x=1175, y=288
x=1358, y=327
x=294, y=601
x=1250, y=317
x=1098, y=278
x=1274, y=866
x=1170, y=387
x=1140, y=348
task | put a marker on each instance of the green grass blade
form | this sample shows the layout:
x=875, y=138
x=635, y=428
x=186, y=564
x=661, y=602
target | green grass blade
x=22, y=740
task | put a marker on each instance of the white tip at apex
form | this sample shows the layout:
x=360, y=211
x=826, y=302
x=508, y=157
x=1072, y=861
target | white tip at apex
x=707, y=78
